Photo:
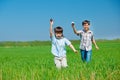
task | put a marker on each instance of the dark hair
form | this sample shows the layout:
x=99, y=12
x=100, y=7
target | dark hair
x=86, y=22
x=58, y=29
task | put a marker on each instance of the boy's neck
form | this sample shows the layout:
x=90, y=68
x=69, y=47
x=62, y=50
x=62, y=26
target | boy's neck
x=59, y=37
x=86, y=30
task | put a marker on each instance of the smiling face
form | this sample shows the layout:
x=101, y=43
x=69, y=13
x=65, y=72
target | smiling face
x=86, y=27
x=58, y=34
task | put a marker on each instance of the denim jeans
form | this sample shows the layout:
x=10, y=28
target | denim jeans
x=86, y=55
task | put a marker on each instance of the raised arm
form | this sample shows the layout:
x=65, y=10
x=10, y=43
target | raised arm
x=74, y=29
x=51, y=25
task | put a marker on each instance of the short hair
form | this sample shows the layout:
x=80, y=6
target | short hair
x=58, y=29
x=86, y=22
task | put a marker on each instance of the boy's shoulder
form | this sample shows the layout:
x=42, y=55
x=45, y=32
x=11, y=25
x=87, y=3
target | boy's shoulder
x=65, y=38
x=90, y=32
x=82, y=31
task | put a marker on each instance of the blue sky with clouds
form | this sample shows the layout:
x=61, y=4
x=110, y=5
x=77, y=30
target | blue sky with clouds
x=27, y=20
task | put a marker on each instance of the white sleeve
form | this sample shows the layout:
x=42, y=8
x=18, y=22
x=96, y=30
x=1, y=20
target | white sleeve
x=67, y=42
x=79, y=32
x=53, y=38
x=92, y=36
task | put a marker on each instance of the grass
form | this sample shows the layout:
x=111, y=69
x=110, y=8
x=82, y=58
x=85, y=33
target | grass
x=36, y=63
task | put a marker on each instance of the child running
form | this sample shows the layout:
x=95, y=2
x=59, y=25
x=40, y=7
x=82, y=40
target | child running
x=87, y=39
x=58, y=46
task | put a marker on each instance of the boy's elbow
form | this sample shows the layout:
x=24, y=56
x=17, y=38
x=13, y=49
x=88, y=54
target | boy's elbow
x=50, y=33
x=70, y=45
x=75, y=32
x=93, y=41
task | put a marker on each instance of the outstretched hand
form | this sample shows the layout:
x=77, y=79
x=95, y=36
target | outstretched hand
x=97, y=47
x=75, y=51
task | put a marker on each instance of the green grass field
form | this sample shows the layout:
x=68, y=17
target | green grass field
x=36, y=63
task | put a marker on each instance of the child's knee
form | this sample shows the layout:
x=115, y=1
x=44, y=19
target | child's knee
x=64, y=63
x=57, y=63
x=58, y=66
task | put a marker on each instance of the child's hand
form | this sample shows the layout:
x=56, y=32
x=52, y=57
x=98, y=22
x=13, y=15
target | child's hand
x=75, y=51
x=73, y=24
x=97, y=47
x=51, y=21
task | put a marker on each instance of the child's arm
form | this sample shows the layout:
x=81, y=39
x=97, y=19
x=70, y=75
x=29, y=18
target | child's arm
x=74, y=29
x=51, y=24
x=72, y=47
x=94, y=42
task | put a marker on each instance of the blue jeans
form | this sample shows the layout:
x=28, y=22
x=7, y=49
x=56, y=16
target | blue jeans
x=86, y=55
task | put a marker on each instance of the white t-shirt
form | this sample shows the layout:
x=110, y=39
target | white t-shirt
x=58, y=46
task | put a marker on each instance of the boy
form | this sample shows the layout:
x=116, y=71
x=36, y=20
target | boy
x=87, y=39
x=58, y=46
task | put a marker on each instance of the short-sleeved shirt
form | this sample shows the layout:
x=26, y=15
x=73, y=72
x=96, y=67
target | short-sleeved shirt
x=58, y=46
x=86, y=40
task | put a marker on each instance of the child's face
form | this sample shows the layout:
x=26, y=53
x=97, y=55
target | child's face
x=86, y=27
x=58, y=34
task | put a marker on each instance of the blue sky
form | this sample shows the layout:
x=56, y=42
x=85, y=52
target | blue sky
x=28, y=20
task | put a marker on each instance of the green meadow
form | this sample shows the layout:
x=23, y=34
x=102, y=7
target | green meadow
x=34, y=61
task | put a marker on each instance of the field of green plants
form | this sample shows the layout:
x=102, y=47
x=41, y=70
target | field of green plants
x=35, y=62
